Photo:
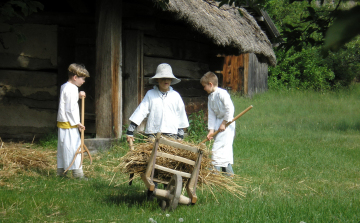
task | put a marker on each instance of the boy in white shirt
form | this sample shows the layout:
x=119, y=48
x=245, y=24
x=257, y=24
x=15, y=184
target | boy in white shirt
x=68, y=121
x=220, y=112
x=163, y=107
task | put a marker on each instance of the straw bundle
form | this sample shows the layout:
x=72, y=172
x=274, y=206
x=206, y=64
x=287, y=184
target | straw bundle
x=15, y=158
x=135, y=161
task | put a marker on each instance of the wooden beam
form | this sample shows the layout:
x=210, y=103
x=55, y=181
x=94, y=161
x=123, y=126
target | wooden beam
x=133, y=67
x=178, y=145
x=177, y=158
x=183, y=174
x=108, y=85
x=246, y=73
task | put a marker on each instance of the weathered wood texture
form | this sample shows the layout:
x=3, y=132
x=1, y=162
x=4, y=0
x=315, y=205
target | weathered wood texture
x=108, y=97
x=37, y=51
x=186, y=88
x=180, y=68
x=233, y=73
x=258, y=74
x=133, y=72
x=180, y=49
x=28, y=103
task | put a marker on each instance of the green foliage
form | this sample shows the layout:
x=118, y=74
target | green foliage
x=49, y=141
x=344, y=29
x=345, y=63
x=300, y=70
x=197, y=130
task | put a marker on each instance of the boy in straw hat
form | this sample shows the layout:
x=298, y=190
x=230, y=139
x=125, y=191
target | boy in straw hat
x=162, y=105
x=68, y=121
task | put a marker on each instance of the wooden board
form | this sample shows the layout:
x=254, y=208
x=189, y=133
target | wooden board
x=108, y=95
x=133, y=81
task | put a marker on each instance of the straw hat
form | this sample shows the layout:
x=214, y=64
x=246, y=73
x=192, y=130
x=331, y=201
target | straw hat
x=164, y=71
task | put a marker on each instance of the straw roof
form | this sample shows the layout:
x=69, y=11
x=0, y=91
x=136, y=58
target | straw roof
x=225, y=25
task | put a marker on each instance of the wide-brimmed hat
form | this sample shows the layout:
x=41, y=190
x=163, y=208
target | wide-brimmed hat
x=164, y=71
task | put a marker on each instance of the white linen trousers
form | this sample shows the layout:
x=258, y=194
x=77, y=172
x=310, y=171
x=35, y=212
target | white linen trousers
x=68, y=142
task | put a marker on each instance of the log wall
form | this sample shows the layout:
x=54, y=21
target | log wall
x=28, y=81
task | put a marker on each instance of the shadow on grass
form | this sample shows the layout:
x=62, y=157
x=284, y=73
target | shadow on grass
x=344, y=126
x=124, y=194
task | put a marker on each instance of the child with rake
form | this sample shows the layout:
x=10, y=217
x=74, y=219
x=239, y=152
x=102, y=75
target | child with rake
x=68, y=122
x=220, y=112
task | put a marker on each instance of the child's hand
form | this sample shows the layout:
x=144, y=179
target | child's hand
x=222, y=127
x=128, y=138
x=81, y=127
x=82, y=94
x=211, y=131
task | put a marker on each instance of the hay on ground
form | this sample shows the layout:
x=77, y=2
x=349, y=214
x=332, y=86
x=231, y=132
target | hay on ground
x=16, y=157
x=135, y=161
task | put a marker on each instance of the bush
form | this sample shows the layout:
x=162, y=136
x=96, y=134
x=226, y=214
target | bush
x=197, y=130
x=302, y=70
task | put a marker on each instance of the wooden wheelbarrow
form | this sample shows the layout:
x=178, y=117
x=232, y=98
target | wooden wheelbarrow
x=171, y=196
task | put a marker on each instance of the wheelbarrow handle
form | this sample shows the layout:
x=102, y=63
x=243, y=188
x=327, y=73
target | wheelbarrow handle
x=131, y=144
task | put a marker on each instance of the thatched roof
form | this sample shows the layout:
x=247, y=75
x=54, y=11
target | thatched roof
x=225, y=25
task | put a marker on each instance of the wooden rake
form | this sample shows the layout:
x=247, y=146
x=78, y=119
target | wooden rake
x=227, y=124
x=82, y=148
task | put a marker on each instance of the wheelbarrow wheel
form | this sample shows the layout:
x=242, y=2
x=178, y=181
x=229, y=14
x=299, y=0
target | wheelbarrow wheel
x=174, y=187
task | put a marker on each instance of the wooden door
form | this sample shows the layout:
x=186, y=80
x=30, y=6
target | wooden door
x=233, y=73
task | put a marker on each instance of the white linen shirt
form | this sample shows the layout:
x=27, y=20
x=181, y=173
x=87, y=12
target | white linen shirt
x=220, y=107
x=166, y=113
x=68, y=105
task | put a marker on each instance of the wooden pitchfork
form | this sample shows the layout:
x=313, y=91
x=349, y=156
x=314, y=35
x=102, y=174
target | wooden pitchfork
x=82, y=148
x=227, y=124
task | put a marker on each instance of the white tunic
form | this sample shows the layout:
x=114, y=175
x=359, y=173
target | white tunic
x=166, y=113
x=68, y=139
x=220, y=108
x=68, y=105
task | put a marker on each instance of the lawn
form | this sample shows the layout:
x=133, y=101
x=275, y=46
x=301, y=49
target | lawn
x=296, y=154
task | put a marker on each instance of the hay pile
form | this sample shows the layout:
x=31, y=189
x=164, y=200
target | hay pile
x=135, y=161
x=16, y=158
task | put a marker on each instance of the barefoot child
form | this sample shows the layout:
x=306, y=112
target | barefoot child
x=68, y=121
x=221, y=111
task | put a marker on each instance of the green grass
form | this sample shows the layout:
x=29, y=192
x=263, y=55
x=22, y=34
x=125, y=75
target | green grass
x=299, y=151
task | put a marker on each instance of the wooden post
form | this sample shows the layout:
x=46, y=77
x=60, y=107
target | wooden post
x=133, y=68
x=246, y=73
x=108, y=85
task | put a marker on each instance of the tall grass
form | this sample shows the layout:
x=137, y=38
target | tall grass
x=299, y=152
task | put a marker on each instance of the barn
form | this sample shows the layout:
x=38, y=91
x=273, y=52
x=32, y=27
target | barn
x=121, y=43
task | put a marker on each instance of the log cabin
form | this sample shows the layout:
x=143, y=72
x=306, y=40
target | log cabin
x=121, y=42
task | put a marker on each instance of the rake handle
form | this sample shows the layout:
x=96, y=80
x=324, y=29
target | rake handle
x=227, y=124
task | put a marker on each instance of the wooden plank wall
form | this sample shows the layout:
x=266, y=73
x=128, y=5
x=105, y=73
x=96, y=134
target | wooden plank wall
x=167, y=41
x=257, y=75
